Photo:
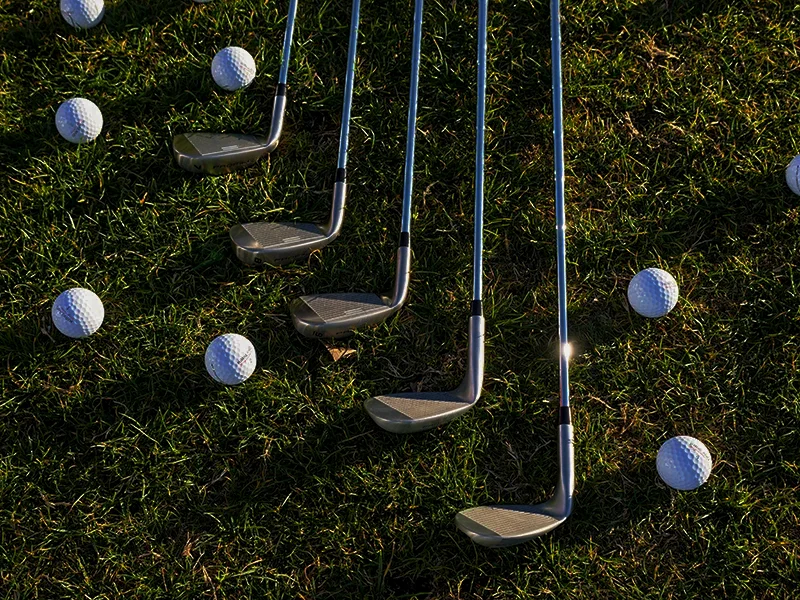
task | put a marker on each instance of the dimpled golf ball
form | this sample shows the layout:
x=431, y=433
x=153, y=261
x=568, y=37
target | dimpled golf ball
x=653, y=292
x=684, y=463
x=78, y=313
x=793, y=175
x=82, y=14
x=230, y=358
x=79, y=120
x=233, y=68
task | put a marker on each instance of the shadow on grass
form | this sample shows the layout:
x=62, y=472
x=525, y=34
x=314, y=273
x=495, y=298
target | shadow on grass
x=655, y=14
x=33, y=27
x=118, y=162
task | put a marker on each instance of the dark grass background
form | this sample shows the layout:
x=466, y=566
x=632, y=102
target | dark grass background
x=125, y=471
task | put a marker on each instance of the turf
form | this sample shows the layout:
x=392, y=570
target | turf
x=126, y=472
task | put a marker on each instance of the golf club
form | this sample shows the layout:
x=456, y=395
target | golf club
x=408, y=412
x=336, y=315
x=510, y=525
x=218, y=153
x=280, y=243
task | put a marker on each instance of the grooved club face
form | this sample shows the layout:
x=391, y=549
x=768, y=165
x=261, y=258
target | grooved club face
x=417, y=411
x=217, y=153
x=337, y=315
x=409, y=412
x=276, y=243
x=498, y=526
x=264, y=243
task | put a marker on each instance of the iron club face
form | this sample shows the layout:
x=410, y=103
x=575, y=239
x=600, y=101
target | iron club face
x=499, y=526
x=337, y=315
x=409, y=412
x=265, y=243
x=217, y=153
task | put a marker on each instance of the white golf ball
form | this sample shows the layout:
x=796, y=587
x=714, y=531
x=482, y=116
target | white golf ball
x=653, y=292
x=79, y=120
x=230, y=358
x=684, y=463
x=82, y=14
x=793, y=175
x=233, y=68
x=78, y=313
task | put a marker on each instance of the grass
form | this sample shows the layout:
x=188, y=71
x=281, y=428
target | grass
x=125, y=471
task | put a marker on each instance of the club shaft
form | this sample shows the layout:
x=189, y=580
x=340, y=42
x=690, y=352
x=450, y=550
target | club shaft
x=477, y=273
x=344, y=135
x=283, y=75
x=408, y=177
x=558, y=149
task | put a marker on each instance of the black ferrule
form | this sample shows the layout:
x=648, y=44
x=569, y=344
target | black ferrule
x=564, y=416
x=280, y=90
x=477, y=308
x=341, y=175
x=405, y=239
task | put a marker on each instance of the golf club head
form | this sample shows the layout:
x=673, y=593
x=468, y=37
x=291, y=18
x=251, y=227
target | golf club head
x=409, y=412
x=277, y=244
x=338, y=315
x=219, y=153
x=498, y=526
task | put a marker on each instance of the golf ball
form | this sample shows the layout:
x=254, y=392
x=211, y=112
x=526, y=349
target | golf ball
x=653, y=292
x=230, y=358
x=78, y=313
x=233, y=68
x=683, y=462
x=793, y=175
x=79, y=120
x=82, y=14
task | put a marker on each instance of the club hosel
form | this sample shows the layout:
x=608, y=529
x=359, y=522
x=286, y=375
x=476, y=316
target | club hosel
x=276, y=125
x=566, y=460
x=337, y=212
x=402, y=276
x=473, y=379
